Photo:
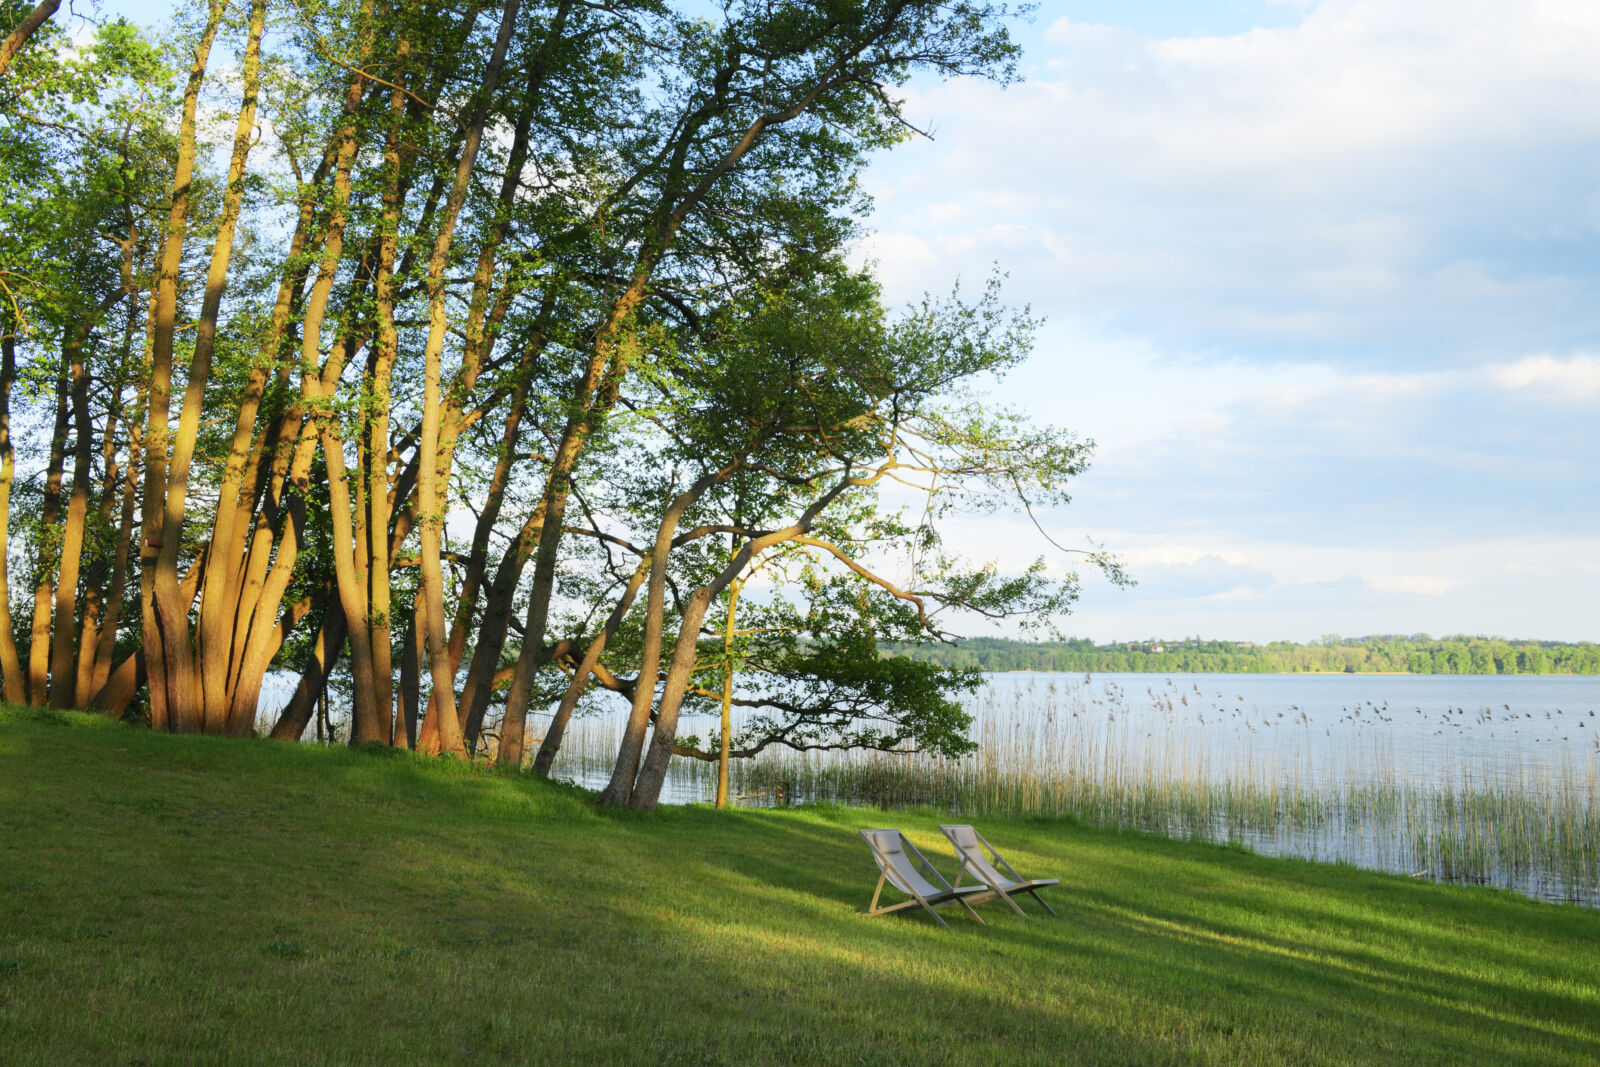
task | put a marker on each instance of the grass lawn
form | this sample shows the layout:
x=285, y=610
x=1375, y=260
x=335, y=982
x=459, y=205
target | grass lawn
x=192, y=900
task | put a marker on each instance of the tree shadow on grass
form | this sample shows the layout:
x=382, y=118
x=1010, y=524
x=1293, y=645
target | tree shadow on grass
x=1343, y=973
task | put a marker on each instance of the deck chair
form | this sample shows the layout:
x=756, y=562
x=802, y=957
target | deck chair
x=893, y=854
x=992, y=870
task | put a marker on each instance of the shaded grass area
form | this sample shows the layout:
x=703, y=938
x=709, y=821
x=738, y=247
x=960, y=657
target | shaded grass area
x=191, y=900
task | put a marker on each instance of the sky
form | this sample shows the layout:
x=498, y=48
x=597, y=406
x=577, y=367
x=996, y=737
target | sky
x=1321, y=280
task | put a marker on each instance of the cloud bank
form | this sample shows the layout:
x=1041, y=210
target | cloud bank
x=1325, y=291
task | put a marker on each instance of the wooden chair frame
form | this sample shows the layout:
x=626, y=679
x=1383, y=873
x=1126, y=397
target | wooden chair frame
x=927, y=901
x=997, y=864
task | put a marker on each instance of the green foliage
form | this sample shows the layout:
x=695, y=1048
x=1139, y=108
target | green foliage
x=811, y=675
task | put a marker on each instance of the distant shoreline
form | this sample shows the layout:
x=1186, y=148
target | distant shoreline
x=1387, y=654
x=1341, y=674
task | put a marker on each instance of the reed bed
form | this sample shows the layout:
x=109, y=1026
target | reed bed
x=1106, y=759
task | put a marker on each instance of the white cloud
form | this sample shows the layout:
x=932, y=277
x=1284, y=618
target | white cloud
x=1413, y=584
x=1574, y=380
x=1206, y=576
x=1380, y=181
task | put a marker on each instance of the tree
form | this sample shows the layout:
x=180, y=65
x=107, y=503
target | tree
x=502, y=347
x=825, y=401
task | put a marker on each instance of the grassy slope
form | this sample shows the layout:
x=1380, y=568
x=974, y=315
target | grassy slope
x=188, y=900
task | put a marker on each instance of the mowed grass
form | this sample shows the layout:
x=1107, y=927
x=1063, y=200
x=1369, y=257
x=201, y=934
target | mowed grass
x=194, y=900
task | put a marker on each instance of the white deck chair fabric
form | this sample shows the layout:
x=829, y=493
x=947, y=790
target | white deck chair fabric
x=893, y=853
x=992, y=869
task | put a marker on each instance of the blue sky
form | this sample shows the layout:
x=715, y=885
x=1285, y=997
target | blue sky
x=1323, y=283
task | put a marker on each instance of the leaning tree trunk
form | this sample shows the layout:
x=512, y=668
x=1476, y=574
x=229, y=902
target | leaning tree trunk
x=12, y=686
x=647, y=790
x=24, y=30
x=518, y=701
x=174, y=695
x=46, y=558
x=619, y=790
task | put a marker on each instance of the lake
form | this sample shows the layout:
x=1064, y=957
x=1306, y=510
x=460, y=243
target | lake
x=1337, y=729
x=1487, y=779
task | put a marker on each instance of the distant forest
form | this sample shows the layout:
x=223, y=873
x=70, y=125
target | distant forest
x=1415, y=654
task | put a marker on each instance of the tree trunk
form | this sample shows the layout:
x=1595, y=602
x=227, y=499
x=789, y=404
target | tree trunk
x=430, y=494
x=726, y=739
x=411, y=676
x=47, y=559
x=25, y=29
x=551, y=745
x=296, y=714
x=514, y=728
x=647, y=790
x=175, y=699
x=619, y=790
x=63, y=678
x=12, y=682
x=375, y=439
x=100, y=575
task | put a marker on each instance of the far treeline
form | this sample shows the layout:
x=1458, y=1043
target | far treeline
x=1416, y=654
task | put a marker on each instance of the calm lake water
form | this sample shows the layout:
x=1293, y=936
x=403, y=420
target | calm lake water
x=1422, y=730
x=1335, y=729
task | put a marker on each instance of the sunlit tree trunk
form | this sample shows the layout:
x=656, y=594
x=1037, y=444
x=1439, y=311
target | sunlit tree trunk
x=619, y=790
x=430, y=494
x=175, y=698
x=375, y=440
x=12, y=682
x=24, y=30
x=48, y=555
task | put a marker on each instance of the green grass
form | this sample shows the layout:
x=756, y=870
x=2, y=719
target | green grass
x=190, y=900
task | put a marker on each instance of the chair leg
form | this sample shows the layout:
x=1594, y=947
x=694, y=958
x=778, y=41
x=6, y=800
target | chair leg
x=1014, y=906
x=929, y=908
x=872, y=909
x=1034, y=893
